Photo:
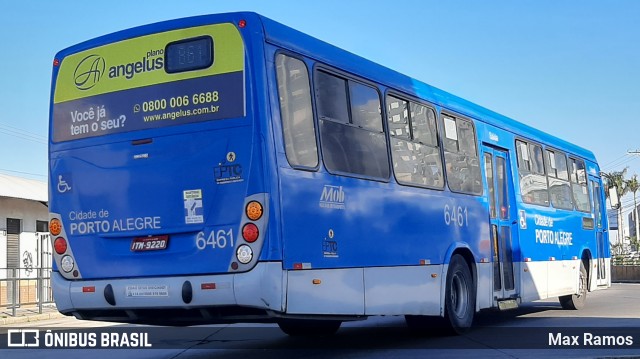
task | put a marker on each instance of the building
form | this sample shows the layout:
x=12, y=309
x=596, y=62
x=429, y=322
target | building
x=24, y=237
x=633, y=231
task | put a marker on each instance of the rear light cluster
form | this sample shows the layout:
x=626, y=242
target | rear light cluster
x=61, y=247
x=250, y=232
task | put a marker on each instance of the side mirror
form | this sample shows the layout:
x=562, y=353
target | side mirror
x=613, y=197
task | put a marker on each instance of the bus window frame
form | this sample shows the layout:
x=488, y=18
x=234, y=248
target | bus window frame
x=313, y=109
x=555, y=151
x=570, y=158
x=440, y=124
x=529, y=143
x=409, y=99
x=332, y=71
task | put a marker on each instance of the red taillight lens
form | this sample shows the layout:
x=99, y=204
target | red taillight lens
x=242, y=24
x=250, y=232
x=60, y=245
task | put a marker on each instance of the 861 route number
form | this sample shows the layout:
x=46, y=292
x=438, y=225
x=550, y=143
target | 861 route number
x=456, y=216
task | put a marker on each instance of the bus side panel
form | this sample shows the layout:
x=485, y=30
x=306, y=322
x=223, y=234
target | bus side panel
x=533, y=281
x=562, y=277
x=335, y=291
x=484, y=294
x=341, y=222
x=261, y=287
x=403, y=290
x=338, y=223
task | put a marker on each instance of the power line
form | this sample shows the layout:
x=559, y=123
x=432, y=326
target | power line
x=24, y=173
x=22, y=134
x=617, y=159
x=619, y=162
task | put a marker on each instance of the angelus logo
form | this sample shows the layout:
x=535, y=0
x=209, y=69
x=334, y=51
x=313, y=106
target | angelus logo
x=89, y=71
x=146, y=64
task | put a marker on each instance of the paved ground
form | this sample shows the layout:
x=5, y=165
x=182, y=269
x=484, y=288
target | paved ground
x=521, y=333
x=28, y=313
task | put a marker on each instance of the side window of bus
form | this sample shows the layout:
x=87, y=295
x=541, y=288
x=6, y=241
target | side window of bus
x=578, y=177
x=461, y=156
x=559, y=188
x=351, y=133
x=296, y=112
x=414, y=143
x=533, y=181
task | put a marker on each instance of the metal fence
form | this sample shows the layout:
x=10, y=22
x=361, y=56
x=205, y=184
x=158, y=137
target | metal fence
x=626, y=260
x=17, y=291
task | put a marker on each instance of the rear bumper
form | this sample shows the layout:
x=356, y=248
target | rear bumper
x=220, y=298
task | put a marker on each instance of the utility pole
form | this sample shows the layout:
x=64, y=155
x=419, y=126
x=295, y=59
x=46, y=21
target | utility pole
x=635, y=208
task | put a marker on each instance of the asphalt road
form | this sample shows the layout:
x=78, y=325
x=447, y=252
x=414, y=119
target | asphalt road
x=532, y=331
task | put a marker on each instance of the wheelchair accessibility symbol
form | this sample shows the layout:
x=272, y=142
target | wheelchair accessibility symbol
x=63, y=186
x=522, y=219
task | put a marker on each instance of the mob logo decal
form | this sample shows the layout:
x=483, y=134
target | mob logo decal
x=332, y=197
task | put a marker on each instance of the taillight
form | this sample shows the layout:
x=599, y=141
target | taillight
x=250, y=232
x=244, y=253
x=55, y=227
x=67, y=263
x=254, y=210
x=60, y=245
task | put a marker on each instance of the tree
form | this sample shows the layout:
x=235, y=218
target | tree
x=616, y=179
x=633, y=185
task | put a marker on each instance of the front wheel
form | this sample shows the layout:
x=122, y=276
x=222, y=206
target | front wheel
x=302, y=327
x=577, y=301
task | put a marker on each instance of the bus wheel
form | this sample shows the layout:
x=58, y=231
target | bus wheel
x=460, y=296
x=577, y=301
x=302, y=327
x=459, y=302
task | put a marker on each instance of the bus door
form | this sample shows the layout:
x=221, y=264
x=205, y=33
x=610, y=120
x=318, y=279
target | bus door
x=600, y=229
x=501, y=206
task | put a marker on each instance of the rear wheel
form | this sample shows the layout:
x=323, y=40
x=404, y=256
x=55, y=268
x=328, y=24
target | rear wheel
x=577, y=301
x=460, y=296
x=459, y=302
x=303, y=327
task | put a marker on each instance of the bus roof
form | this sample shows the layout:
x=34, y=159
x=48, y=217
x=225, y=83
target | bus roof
x=309, y=46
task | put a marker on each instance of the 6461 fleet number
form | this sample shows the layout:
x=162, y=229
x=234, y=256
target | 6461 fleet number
x=217, y=239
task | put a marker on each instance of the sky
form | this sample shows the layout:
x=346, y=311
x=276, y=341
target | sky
x=569, y=68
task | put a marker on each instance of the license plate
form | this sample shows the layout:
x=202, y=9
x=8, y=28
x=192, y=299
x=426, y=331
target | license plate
x=156, y=243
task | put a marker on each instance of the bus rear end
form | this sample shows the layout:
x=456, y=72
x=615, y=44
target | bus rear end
x=158, y=201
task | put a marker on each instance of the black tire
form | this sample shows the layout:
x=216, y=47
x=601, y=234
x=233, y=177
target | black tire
x=577, y=301
x=459, y=301
x=315, y=328
x=460, y=296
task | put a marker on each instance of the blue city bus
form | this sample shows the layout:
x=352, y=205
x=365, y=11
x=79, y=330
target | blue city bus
x=227, y=168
